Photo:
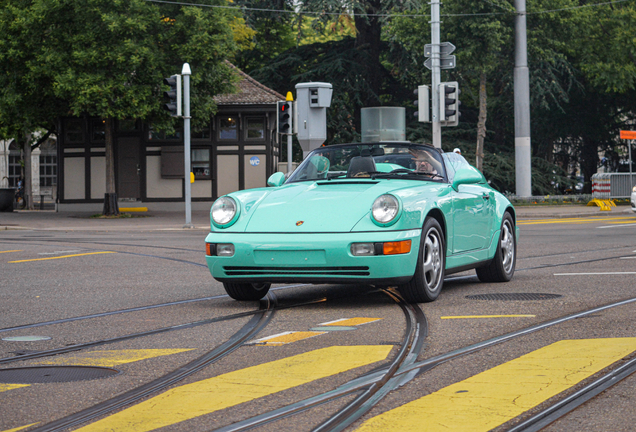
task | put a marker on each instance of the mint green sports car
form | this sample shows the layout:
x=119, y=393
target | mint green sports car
x=388, y=214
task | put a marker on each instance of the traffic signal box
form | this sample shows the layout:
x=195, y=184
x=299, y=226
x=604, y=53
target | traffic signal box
x=449, y=103
x=173, y=96
x=284, y=124
x=423, y=104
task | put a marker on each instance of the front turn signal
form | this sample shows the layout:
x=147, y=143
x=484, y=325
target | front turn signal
x=396, y=248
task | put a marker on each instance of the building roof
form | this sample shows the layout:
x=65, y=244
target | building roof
x=249, y=92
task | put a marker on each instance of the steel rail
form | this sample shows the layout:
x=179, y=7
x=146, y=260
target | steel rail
x=249, y=330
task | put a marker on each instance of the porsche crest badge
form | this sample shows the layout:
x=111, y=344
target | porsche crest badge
x=299, y=223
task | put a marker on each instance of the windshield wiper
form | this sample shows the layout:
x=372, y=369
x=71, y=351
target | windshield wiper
x=405, y=173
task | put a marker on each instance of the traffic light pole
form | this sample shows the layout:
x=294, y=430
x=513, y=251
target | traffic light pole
x=523, y=175
x=186, y=72
x=436, y=73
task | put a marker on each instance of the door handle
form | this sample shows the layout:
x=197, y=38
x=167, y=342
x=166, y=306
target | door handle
x=485, y=196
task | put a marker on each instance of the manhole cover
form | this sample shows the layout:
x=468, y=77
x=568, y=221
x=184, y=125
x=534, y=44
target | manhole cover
x=513, y=296
x=49, y=374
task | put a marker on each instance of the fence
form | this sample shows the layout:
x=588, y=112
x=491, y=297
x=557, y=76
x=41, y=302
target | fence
x=612, y=185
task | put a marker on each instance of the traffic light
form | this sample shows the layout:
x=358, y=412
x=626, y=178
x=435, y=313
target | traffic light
x=422, y=103
x=173, y=96
x=449, y=103
x=284, y=124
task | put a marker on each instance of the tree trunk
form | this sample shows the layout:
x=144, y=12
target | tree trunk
x=481, y=123
x=28, y=177
x=111, y=208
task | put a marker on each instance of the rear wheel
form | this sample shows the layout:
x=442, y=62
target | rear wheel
x=246, y=291
x=429, y=272
x=502, y=267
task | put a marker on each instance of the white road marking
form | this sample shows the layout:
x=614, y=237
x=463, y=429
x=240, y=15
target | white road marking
x=592, y=274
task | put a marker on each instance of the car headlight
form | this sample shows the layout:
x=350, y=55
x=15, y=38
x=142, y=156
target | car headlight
x=385, y=210
x=224, y=211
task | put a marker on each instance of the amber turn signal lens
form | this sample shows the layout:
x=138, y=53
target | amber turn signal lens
x=210, y=249
x=395, y=248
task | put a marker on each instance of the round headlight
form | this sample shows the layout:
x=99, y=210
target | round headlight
x=223, y=210
x=385, y=209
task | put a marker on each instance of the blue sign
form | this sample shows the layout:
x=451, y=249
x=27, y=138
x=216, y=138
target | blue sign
x=254, y=161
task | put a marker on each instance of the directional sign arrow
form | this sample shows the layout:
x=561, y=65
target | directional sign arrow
x=445, y=49
x=447, y=62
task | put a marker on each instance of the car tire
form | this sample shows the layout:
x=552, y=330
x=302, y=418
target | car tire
x=502, y=267
x=246, y=291
x=431, y=263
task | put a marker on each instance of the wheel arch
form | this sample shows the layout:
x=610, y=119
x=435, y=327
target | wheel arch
x=438, y=215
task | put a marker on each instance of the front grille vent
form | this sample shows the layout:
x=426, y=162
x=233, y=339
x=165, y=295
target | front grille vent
x=293, y=271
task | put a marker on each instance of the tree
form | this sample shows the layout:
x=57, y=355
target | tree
x=107, y=58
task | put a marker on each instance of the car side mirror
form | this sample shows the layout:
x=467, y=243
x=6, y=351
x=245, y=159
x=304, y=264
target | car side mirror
x=276, y=179
x=467, y=176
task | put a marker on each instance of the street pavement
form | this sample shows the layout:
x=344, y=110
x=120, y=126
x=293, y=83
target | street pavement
x=165, y=220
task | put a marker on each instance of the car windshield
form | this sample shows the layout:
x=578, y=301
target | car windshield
x=377, y=161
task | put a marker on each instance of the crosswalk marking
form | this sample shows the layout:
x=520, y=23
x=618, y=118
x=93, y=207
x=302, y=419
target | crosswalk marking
x=213, y=394
x=285, y=338
x=112, y=358
x=491, y=398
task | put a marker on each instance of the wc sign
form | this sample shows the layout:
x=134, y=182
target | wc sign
x=254, y=161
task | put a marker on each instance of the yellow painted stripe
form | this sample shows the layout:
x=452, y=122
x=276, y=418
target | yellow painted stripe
x=350, y=322
x=112, y=358
x=63, y=256
x=133, y=209
x=486, y=316
x=11, y=251
x=285, y=338
x=20, y=428
x=6, y=387
x=568, y=220
x=213, y=394
x=493, y=397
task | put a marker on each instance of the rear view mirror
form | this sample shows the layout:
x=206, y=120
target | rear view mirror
x=467, y=176
x=276, y=179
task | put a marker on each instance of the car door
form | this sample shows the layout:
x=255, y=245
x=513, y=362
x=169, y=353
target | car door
x=473, y=212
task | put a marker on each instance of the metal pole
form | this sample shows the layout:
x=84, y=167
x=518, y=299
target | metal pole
x=289, y=154
x=186, y=72
x=522, y=104
x=436, y=73
x=631, y=180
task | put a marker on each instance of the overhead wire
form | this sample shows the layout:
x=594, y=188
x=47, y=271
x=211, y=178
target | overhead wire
x=382, y=15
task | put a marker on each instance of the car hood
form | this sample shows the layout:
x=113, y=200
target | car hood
x=324, y=206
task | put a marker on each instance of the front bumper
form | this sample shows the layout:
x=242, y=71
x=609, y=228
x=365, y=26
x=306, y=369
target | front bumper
x=312, y=258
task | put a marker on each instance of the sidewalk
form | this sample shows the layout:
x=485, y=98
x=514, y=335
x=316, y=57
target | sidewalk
x=174, y=221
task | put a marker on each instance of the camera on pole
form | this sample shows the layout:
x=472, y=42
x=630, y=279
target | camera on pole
x=173, y=96
x=449, y=103
x=284, y=123
x=423, y=104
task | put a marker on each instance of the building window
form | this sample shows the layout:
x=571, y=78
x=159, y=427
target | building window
x=75, y=131
x=201, y=163
x=48, y=170
x=228, y=128
x=203, y=133
x=255, y=129
x=154, y=135
x=98, y=131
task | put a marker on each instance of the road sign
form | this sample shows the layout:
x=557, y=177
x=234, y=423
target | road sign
x=630, y=135
x=444, y=62
x=445, y=49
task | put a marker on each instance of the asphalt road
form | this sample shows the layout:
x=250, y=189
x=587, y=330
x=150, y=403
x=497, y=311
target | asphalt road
x=86, y=286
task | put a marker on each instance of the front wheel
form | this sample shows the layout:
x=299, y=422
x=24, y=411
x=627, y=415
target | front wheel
x=429, y=272
x=502, y=267
x=246, y=291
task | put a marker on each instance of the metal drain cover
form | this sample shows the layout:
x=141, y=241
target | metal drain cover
x=50, y=374
x=513, y=296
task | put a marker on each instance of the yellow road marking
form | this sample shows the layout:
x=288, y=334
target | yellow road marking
x=5, y=387
x=133, y=209
x=346, y=322
x=285, y=338
x=63, y=256
x=213, y=394
x=20, y=428
x=568, y=220
x=11, y=251
x=491, y=398
x=487, y=316
x=112, y=358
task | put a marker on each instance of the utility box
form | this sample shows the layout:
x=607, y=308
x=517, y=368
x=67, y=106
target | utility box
x=310, y=115
x=383, y=124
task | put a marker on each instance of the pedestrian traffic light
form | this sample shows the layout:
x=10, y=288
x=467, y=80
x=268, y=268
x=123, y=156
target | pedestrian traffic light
x=284, y=124
x=173, y=96
x=422, y=103
x=449, y=103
